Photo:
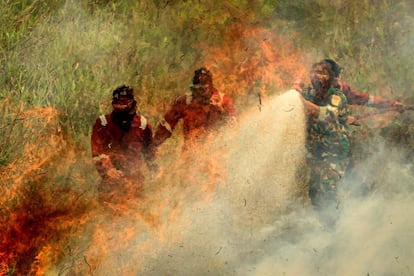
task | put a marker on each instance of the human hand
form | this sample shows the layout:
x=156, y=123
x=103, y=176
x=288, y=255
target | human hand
x=353, y=121
x=398, y=106
x=216, y=100
x=155, y=171
x=232, y=122
x=298, y=84
x=114, y=173
x=153, y=168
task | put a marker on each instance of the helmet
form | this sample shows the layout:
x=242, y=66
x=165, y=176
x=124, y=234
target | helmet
x=334, y=66
x=202, y=77
x=123, y=91
x=123, y=99
x=202, y=87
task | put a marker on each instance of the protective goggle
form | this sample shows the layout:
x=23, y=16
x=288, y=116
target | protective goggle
x=122, y=95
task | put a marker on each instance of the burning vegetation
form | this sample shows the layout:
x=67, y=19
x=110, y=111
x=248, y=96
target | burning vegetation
x=243, y=184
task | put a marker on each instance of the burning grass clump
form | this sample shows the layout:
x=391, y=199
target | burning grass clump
x=43, y=196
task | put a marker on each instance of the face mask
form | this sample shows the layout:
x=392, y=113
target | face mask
x=320, y=77
x=124, y=104
x=202, y=93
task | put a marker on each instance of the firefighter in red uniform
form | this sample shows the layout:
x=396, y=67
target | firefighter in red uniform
x=121, y=141
x=202, y=110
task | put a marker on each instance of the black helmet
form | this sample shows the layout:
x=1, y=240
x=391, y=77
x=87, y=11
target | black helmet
x=202, y=77
x=334, y=66
x=123, y=90
x=123, y=100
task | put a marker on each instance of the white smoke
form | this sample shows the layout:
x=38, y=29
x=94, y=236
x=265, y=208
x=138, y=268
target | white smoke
x=256, y=220
x=263, y=154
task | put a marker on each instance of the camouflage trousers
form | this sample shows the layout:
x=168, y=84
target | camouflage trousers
x=325, y=175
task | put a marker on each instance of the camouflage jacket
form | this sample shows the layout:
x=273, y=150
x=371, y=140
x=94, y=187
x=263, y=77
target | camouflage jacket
x=328, y=135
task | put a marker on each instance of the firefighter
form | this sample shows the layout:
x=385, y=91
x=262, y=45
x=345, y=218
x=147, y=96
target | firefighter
x=202, y=110
x=120, y=142
x=328, y=143
x=326, y=103
x=354, y=97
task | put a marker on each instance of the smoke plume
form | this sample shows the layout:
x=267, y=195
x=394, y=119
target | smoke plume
x=252, y=217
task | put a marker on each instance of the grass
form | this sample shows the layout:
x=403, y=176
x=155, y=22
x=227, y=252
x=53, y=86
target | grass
x=60, y=60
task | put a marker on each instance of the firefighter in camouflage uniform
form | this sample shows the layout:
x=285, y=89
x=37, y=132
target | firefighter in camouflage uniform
x=328, y=144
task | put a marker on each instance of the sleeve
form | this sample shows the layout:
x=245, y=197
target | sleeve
x=149, y=150
x=167, y=124
x=101, y=160
x=298, y=83
x=361, y=98
x=355, y=97
x=229, y=106
x=97, y=140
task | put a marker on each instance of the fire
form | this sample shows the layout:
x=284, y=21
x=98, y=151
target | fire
x=255, y=60
x=51, y=220
x=36, y=213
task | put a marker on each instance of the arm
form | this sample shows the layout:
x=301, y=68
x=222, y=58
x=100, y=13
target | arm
x=311, y=109
x=101, y=160
x=380, y=102
x=166, y=126
x=298, y=84
x=353, y=96
x=364, y=98
x=223, y=103
x=229, y=106
x=333, y=111
x=149, y=148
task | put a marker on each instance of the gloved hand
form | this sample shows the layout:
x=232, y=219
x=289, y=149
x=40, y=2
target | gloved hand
x=232, y=122
x=398, y=106
x=298, y=85
x=114, y=173
x=155, y=171
x=153, y=167
x=353, y=121
x=216, y=101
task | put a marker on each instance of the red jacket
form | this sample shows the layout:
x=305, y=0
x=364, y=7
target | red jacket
x=198, y=118
x=124, y=151
x=354, y=97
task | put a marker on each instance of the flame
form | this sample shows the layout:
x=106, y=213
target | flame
x=54, y=224
x=36, y=214
x=255, y=60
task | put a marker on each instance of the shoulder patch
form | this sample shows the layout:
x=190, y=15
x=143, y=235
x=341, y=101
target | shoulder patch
x=188, y=98
x=104, y=122
x=336, y=100
x=143, y=122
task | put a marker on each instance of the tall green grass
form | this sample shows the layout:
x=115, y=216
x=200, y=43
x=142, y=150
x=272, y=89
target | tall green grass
x=60, y=60
x=70, y=55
